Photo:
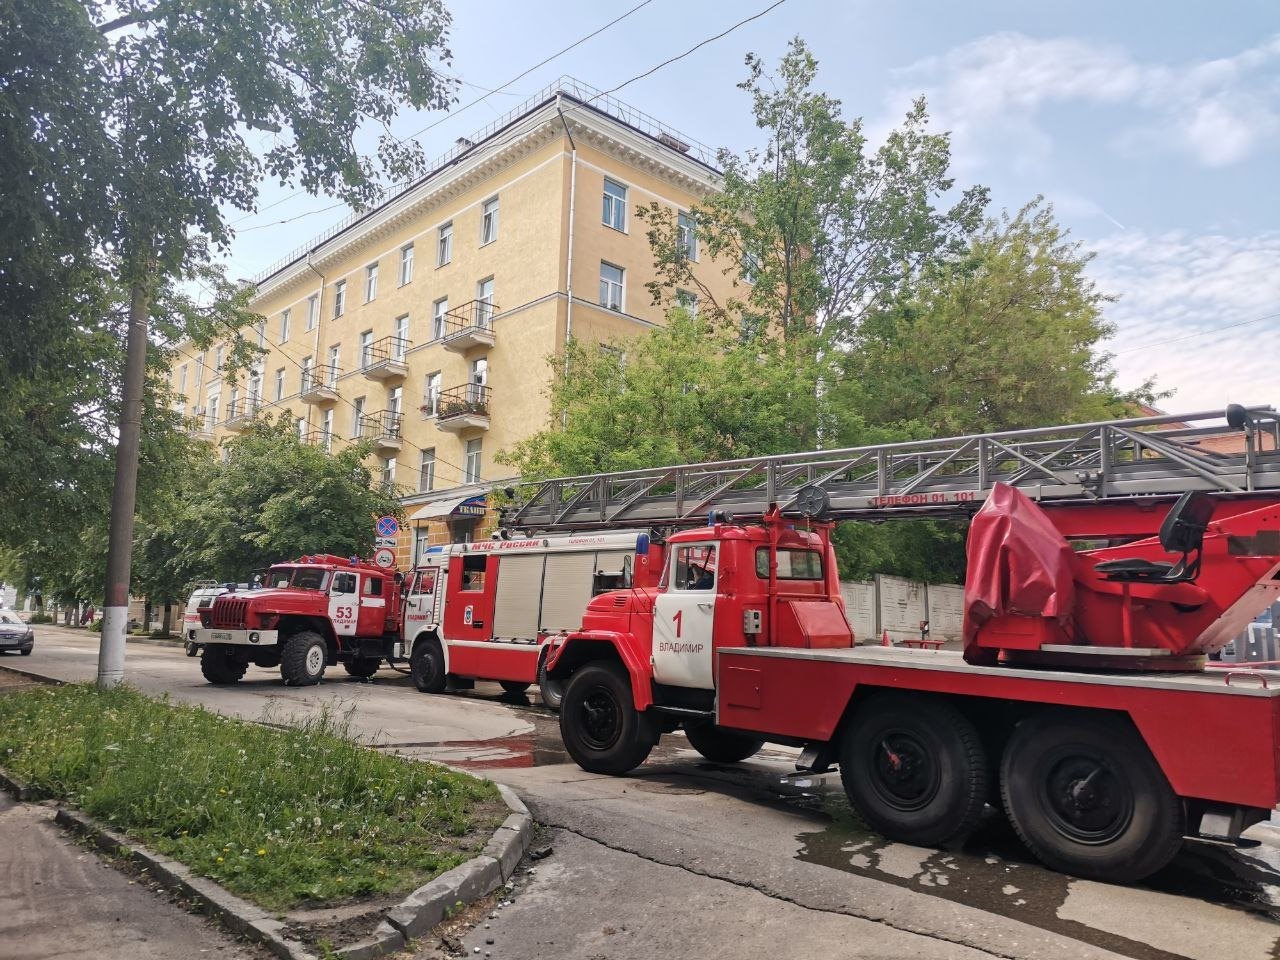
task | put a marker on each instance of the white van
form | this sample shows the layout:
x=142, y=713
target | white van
x=203, y=595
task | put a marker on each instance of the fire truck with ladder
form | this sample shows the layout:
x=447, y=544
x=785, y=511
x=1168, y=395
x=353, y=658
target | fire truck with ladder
x=469, y=611
x=1107, y=563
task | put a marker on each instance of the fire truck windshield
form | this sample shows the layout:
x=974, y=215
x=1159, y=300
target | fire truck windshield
x=301, y=578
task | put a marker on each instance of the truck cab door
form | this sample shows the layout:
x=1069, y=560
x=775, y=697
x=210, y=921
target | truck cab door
x=344, y=603
x=684, y=617
x=373, y=606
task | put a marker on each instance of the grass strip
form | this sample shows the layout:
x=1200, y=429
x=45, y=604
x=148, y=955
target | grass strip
x=281, y=817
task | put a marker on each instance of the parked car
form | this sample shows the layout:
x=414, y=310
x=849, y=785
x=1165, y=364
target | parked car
x=15, y=635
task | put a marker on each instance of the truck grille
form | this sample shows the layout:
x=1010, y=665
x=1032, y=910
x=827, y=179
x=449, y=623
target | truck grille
x=228, y=613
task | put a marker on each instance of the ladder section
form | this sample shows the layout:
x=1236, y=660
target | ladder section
x=1157, y=456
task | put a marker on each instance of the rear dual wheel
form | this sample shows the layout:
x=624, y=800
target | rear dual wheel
x=1087, y=798
x=721, y=746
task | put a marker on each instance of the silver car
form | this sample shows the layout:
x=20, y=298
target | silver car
x=15, y=635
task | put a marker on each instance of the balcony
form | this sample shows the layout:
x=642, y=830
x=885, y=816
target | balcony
x=464, y=408
x=320, y=384
x=319, y=438
x=241, y=413
x=384, y=359
x=469, y=325
x=384, y=429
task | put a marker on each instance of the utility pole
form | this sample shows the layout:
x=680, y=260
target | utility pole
x=124, y=495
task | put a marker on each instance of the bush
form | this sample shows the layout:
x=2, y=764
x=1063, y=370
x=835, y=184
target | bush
x=96, y=625
x=40, y=618
x=279, y=816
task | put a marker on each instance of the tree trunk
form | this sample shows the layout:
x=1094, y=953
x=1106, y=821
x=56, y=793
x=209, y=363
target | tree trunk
x=167, y=622
x=115, y=612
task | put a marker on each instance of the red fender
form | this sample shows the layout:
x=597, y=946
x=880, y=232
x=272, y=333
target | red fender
x=573, y=651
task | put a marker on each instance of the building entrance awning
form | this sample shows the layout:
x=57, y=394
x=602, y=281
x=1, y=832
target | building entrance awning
x=471, y=506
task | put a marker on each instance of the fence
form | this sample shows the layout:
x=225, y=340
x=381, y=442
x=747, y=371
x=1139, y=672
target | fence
x=898, y=605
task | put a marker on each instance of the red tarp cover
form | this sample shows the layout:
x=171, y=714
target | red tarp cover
x=1018, y=563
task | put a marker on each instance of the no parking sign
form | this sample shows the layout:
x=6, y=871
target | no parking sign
x=387, y=526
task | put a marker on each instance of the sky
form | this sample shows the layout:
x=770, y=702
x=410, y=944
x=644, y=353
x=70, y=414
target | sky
x=1152, y=127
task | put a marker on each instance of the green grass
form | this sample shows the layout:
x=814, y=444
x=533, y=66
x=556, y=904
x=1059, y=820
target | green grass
x=281, y=817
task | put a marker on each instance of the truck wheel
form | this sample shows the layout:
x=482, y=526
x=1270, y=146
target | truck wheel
x=362, y=667
x=220, y=667
x=513, y=687
x=552, y=690
x=914, y=769
x=721, y=746
x=601, y=728
x=302, y=660
x=426, y=666
x=1087, y=798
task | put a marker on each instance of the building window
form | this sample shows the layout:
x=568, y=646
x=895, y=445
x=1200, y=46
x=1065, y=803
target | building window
x=217, y=361
x=610, y=286
x=438, y=310
x=370, y=282
x=484, y=303
x=313, y=311
x=301, y=426
x=331, y=375
x=357, y=418
x=339, y=298
x=750, y=268
x=406, y=264
x=389, y=471
x=615, y=205
x=615, y=353
x=401, y=343
x=280, y=384
x=473, y=461
x=444, y=245
x=307, y=364
x=284, y=326
x=395, y=399
x=427, y=472
x=431, y=394
x=326, y=429
x=687, y=300
x=489, y=222
x=687, y=235
x=213, y=411
x=261, y=330
x=182, y=379
x=366, y=347
x=200, y=371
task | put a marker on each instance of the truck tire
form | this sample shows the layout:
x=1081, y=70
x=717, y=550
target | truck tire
x=426, y=666
x=599, y=723
x=220, y=667
x=1087, y=798
x=513, y=687
x=362, y=667
x=551, y=689
x=721, y=746
x=303, y=658
x=914, y=768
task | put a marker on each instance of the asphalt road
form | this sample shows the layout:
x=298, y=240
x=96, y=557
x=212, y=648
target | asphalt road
x=692, y=859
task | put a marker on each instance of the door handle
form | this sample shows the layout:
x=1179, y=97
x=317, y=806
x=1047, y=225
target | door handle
x=704, y=604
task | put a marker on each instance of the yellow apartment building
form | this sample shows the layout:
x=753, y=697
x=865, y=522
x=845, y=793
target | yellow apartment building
x=429, y=322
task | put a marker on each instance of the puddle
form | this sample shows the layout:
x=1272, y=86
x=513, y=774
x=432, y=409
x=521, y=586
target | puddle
x=992, y=871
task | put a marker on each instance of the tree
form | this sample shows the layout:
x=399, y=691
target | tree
x=688, y=391
x=824, y=227
x=276, y=498
x=1007, y=335
x=191, y=90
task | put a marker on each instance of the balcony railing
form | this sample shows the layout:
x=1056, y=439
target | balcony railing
x=468, y=325
x=320, y=384
x=383, y=428
x=385, y=359
x=463, y=407
x=240, y=412
x=319, y=438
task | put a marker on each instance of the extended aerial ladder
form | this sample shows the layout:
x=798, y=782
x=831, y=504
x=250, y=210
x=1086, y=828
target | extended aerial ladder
x=1152, y=457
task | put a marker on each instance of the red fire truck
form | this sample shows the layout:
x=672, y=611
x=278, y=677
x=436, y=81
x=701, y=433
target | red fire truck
x=1107, y=561
x=469, y=611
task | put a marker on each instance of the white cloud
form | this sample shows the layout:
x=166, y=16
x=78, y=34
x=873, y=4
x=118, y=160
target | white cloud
x=989, y=93
x=1174, y=285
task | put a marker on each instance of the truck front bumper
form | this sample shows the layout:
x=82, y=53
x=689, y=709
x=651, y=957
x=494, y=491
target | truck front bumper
x=248, y=638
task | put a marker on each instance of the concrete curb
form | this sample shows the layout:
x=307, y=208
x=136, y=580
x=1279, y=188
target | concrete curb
x=412, y=917
x=463, y=885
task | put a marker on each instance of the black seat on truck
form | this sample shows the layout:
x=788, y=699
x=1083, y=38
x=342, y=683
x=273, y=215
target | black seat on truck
x=1182, y=532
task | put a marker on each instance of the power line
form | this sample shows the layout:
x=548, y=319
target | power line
x=1198, y=333
x=467, y=106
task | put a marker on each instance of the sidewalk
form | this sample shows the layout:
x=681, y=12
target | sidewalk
x=61, y=900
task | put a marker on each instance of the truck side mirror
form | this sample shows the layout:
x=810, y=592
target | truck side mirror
x=626, y=571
